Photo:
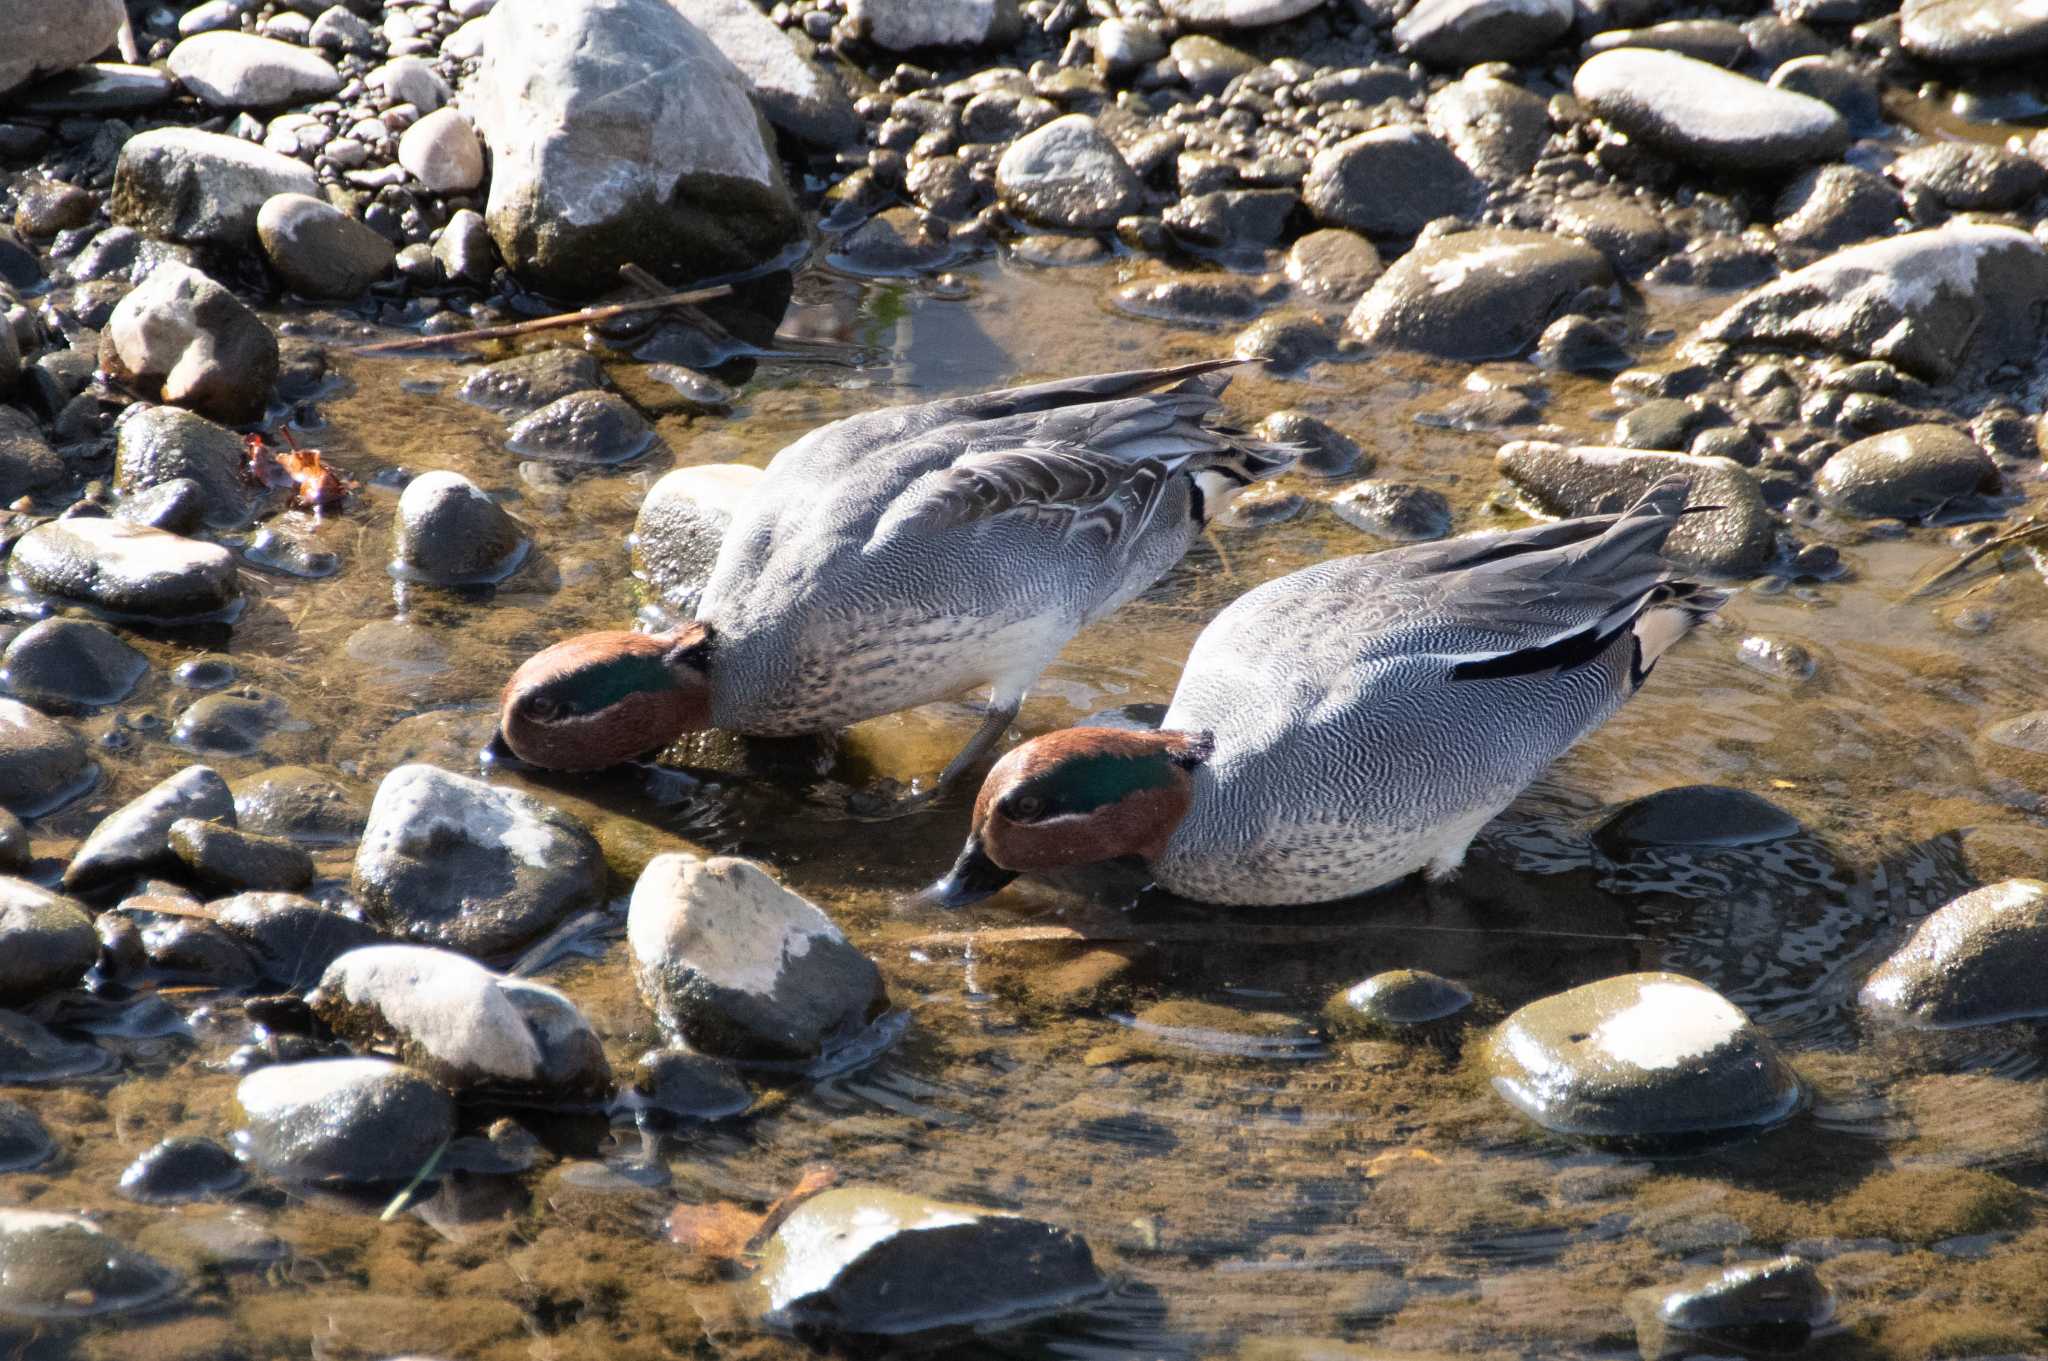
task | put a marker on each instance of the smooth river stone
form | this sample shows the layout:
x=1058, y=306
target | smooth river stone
x=243, y=71
x=1237, y=13
x=56, y=1266
x=1975, y=960
x=1477, y=295
x=126, y=569
x=1068, y=174
x=682, y=522
x=346, y=1120
x=42, y=762
x=1706, y=116
x=1737, y=538
x=1974, y=32
x=1642, y=1060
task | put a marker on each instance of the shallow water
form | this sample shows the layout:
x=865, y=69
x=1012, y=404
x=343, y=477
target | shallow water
x=1162, y=1085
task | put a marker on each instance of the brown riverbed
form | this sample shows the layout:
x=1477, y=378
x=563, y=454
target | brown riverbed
x=1245, y=1180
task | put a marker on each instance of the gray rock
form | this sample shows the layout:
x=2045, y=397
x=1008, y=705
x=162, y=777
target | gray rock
x=232, y=859
x=180, y=1169
x=451, y=861
x=1973, y=32
x=57, y=1266
x=24, y=1143
x=582, y=428
x=339, y=29
x=243, y=71
x=1710, y=40
x=619, y=133
x=1236, y=13
x=136, y=837
x=1660, y=423
x=1832, y=206
x=1498, y=130
x=46, y=941
x=1478, y=295
x=1332, y=264
x=320, y=251
x=895, y=241
x=1642, y=1060
x=341, y=1120
x=682, y=521
x=865, y=1262
x=1783, y=1295
x=126, y=569
x=1959, y=300
x=156, y=445
x=1235, y=220
x=70, y=663
x=43, y=39
x=1907, y=474
x=672, y=1085
x=235, y=724
x=15, y=853
x=1851, y=92
x=1287, y=341
x=1068, y=175
x=29, y=1053
x=43, y=764
x=1975, y=960
x=799, y=94
x=465, y=251
x=1124, y=45
x=449, y=533
x=1394, y=510
x=913, y=25
x=1326, y=451
x=291, y=940
x=1207, y=65
x=1395, y=1001
x=1631, y=235
x=1971, y=177
x=1739, y=539
x=301, y=804
x=27, y=462
x=181, y=338
x=1695, y=816
x=1463, y=33
x=461, y=1024
x=1704, y=116
x=411, y=80
x=739, y=967
x=442, y=152
x=532, y=380
x=1390, y=182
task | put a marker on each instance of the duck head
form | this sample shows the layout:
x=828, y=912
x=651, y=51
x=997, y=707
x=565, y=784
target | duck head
x=1080, y=796
x=602, y=698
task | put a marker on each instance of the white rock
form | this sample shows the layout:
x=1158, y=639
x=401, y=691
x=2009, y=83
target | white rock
x=48, y=36
x=442, y=152
x=1237, y=13
x=243, y=71
x=908, y=25
x=410, y=80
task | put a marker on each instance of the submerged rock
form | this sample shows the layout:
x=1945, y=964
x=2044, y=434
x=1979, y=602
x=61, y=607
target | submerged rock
x=1478, y=295
x=1907, y=474
x=1737, y=539
x=42, y=762
x=582, y=428
x=672, y=1085
x=461, y=1024
x=341, y=1120
x=179, y=1169
x=57, y=1266
x=24, y=1143
x=1974, y=961
x=865, y=1262
x=136, y=837
x=182, y=184
x=46, y=941
x=1397, y=1000
x=1333, y=264
x=739, y=967
x=451, y=861
x=30, y=1054
x=1401, y=511
x=182, y=338
x=70, y=663
x=449, y=532
x=301, y=804
x=619, y=133
x=1961, y=299
x=682, y=522
x=1698, y=113
x=526, y=382
x=1644, y=1060
x=1702, y=815
x=1773, y=1305
x=1068, y=174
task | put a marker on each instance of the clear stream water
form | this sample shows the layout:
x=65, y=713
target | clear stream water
x=1254, y=1188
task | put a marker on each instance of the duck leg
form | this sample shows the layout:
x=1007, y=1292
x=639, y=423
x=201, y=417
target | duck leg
x=880, y=800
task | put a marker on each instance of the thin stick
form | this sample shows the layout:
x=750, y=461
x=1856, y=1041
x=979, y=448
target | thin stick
x=577, y=318
x=2030, y=531
x=404, y=1198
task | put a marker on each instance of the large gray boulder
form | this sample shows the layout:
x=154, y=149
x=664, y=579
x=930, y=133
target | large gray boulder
x=799, y=94
x=1960, y=299
x=204, y=188
x=620, y=133
x=47, y=36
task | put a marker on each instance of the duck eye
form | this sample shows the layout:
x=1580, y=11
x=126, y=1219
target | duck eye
x=542, y=709
x=1027, y=808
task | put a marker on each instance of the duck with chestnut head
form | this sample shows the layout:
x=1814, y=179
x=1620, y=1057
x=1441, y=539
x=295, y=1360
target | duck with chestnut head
x=1340, y=728
x=903, y=556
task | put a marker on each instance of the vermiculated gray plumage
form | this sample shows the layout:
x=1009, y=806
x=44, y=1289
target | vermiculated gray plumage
x=1371, y=714
x=904, y=555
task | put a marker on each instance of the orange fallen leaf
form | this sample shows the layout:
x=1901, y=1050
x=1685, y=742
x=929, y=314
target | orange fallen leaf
x=725, y=1231
x=315, y=486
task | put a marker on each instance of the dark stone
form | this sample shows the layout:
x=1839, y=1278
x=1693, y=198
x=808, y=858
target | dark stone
x=1394, y=510
x=135, y=838
x=181, y=1169
x=70, y=663
x=1478, y=295
x=1390, y=182
x=1693, y=815
x=1908, y=474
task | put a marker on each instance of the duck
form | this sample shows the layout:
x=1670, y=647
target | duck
x=1340, y=728
x=903, y=556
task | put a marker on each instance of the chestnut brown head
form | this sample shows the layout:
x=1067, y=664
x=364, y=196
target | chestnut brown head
x=1080, y=796
x=602, y=698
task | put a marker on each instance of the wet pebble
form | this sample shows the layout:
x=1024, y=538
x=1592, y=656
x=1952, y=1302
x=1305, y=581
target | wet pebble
x=178, y=506
x=526, y=382
x=58, y=1266
x=156, y=445
x=1701, y=815
x=1738, y=538
x=290, y=939
x=182, y=1168
x=1332, y=264
x=318, y=250
x=232, y=859
x=451, y=861
x=1578, y=344
x=582, y=428
x=1909, y=474
x=301, y=804
x=1067, y=175
x=894, y=241
x=42, y=763
x=46, y=941
x=1778, y=658
x=1390, y=182
x=181, y=338
x=682, y=522
x=1705, y=116
x=671, y=1086
x=449, y=532
x=1643, y=1060
x=1974, y=961
x=135, y=838
x=70, y=662
x=1394, y=1001
x=465, y=251
x=1287, y=341
x=1832, y=206
x=1771, y=1306
x=15, y=853
x=126, y=569
x=737, y=966
x=24, y=1143
x=1325, y=450
x=1477, y=295
x=461, y=1024
x=1244, y=221
x=867, y=1263
x=1971, y=177
x=231, y=723
x=1199, y=300
x=1402, y=511
x=30, y=1053
x=351, y=1120
x=276, y=550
